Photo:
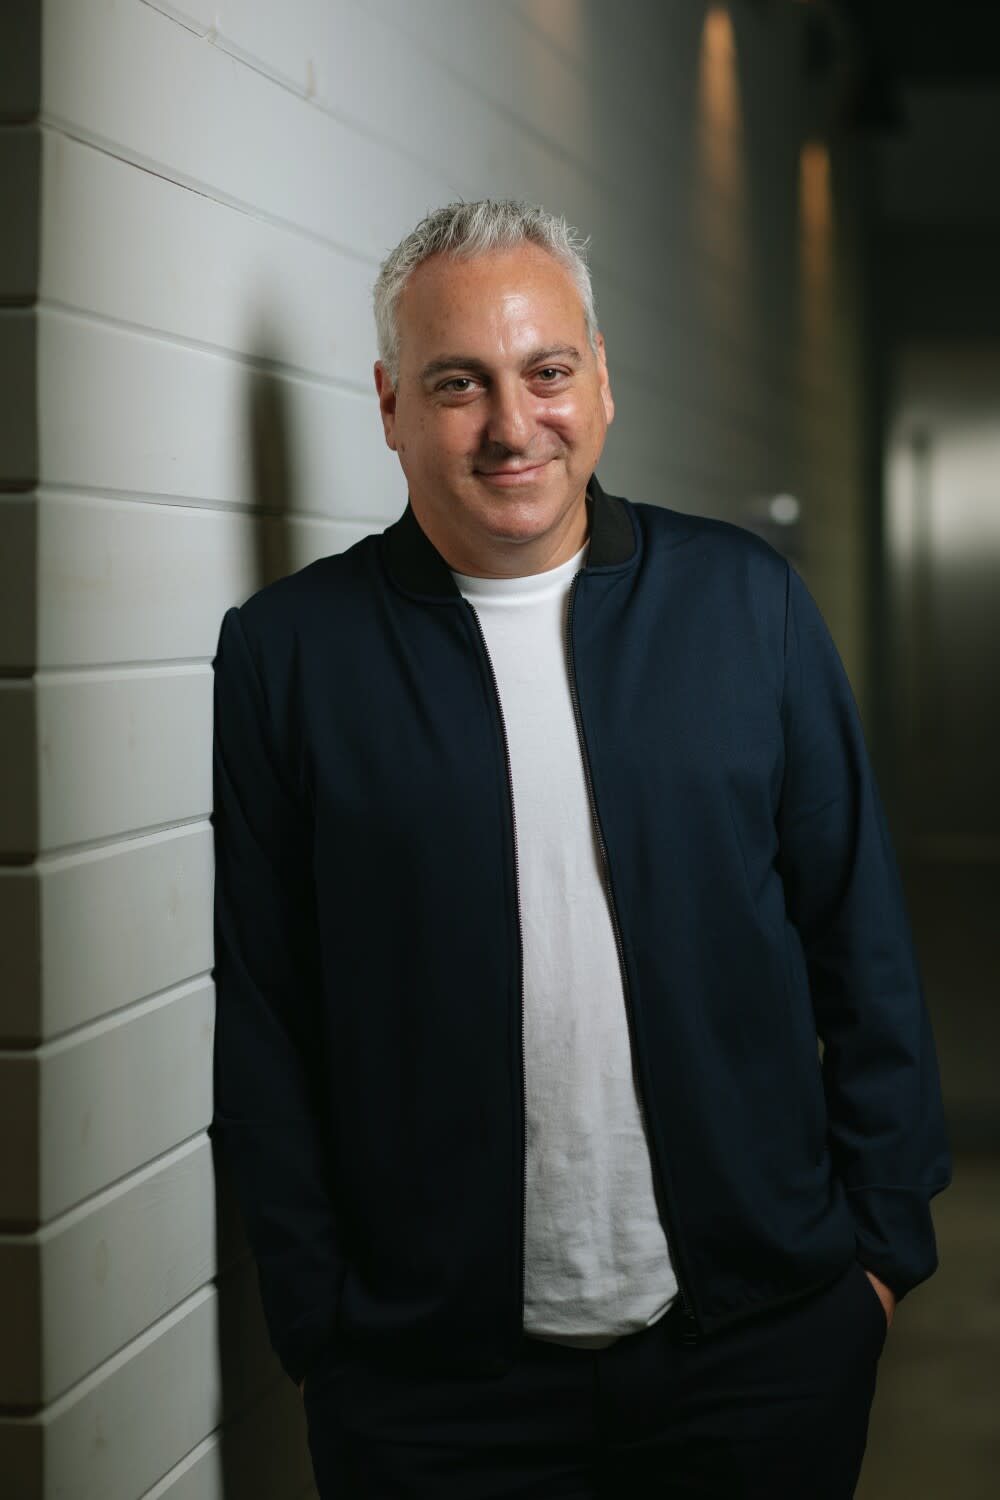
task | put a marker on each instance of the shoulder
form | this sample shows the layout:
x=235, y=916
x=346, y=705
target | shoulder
x=716, y=552
x=298, y=627
x=725, y=582
x=663, y=526
x=308, y=602
x=321, y=581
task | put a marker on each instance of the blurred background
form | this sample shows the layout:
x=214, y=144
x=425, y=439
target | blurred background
x=795, y=220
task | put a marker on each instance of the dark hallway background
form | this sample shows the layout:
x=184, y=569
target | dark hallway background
x=931, y=96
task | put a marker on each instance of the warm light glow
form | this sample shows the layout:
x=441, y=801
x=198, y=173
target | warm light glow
x=719, y=112
x=721, y=241
x=815, y=197
x=816, y=236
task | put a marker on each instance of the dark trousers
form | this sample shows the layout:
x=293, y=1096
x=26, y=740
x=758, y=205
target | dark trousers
x=774, y=1408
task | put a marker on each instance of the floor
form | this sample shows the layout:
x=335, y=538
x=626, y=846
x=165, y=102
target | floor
x=935, y=1427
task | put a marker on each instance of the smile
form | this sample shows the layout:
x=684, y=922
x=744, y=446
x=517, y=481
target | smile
x=507, y=477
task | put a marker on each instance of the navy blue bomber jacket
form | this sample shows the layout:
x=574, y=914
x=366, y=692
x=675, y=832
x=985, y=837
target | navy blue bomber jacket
x=368, y=1045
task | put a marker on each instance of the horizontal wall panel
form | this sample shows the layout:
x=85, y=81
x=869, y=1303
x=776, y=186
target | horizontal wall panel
x=20, y=28
x=143, y=581
x=513, y=161
x=20, y=1169
x=182, y=262
x=151, y=582
x=96, y=1276
x=168, y=100
x=122, y=1428
x=19, y=816
x=262, y=1454
x=116, y=1095
x=166, y=419
x=665, y=279
x=136, y=247
x=494, y=152
x=18, y=398
x=20, y=171
x=327, y=50
x=644, y=206
x=122, y=749
x=325, y=449
x=551, y=136
x=542, y=92
x=21, y=1314
x=19, y=609
x=153, y=893
x=104, y=1101
x=21, y=945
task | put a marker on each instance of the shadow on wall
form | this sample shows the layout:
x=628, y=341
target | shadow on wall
x=269, y=432
x=263, y=1448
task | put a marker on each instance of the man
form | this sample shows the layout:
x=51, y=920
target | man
x=546, y=846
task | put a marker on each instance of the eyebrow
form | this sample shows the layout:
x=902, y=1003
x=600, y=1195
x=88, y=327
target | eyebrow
x=470, y=362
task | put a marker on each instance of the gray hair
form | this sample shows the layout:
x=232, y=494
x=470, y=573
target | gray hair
x=468, y=229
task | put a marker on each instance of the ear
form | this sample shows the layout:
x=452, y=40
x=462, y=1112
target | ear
x=605, y=384
x=386, y=403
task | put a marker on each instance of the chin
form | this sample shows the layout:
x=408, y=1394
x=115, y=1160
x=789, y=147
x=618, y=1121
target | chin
x=521, y=524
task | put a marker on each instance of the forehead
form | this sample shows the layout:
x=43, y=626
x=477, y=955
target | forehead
x=494, y=293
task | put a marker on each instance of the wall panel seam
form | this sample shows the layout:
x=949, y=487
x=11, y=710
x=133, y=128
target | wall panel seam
x=57, y=123
x=127, y=1352
x=108, y=841
x=78, y=1032
x=15, y=1232
x=112, y=1020
x=256, y=65
x=392, y=143
x=58, y=490
x=279, y=369
x=554, y=148
x=774, y=374
x=105, y=1197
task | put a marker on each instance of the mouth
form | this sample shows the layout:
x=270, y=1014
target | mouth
x=511, y=475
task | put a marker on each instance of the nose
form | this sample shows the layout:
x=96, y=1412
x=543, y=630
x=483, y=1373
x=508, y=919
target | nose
x=509, y=422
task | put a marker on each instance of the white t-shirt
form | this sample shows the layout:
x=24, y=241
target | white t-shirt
x=596, y=1259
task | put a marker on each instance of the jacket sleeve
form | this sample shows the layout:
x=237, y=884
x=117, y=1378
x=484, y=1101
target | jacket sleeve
x=843, y=893
x=267, y=978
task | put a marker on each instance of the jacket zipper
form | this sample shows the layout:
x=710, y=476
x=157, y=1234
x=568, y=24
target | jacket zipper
x=690, y=1332
x=520, y=968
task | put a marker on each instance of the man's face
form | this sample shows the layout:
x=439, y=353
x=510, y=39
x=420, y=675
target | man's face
x=501, y=409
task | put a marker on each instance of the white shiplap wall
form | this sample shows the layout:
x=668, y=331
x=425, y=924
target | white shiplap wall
x=198, y=196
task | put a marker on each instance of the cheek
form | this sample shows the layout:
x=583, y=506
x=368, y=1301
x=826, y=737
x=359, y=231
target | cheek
x=571, y=419
x=564, y=415
x=441, y=440
x=454, y=436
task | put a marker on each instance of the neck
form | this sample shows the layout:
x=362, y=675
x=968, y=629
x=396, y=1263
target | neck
x=486, y=556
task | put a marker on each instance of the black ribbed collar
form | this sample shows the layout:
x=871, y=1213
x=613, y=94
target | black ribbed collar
x=417, y=566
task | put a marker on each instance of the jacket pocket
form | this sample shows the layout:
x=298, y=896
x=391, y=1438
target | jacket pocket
x=876, y=1310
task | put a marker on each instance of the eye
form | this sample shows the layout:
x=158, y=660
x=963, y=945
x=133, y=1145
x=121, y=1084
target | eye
x=457, y=381
x=551, y=372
